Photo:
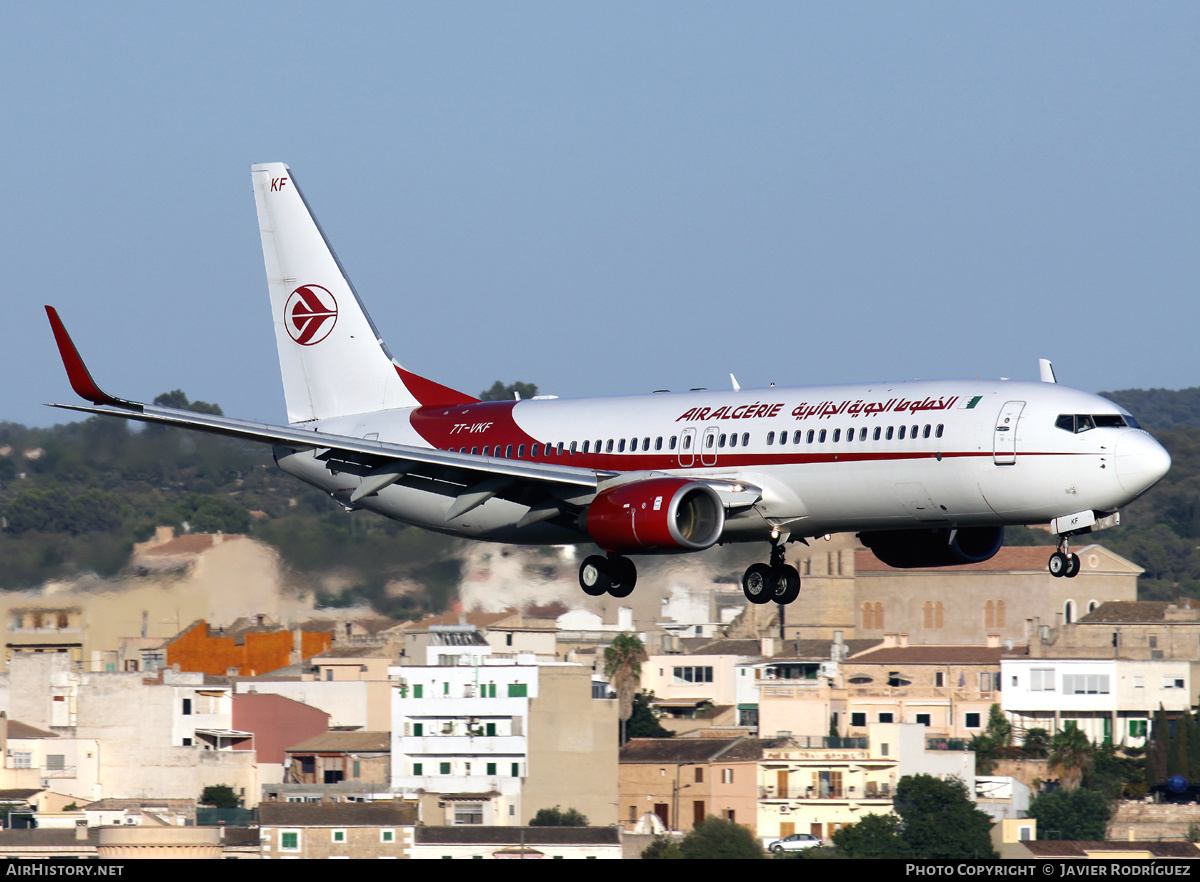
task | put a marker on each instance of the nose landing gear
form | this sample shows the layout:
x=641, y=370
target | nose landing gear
x=775, y=582
x=1063, y=562
x=613, y=575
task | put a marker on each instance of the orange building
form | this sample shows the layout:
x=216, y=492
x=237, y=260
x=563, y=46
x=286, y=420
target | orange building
x=249, y=647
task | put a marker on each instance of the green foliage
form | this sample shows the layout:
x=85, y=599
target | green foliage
x=623, y=667
x=1037, y=743
x=556, y=817
x=644, y=721
x=220, y=796
x=719, y=839
x=875, y=836
x=940, y=820
x=179, y=400
x=1070, y=755
x=1071, y=814
x=662, y=849
x=501, y=392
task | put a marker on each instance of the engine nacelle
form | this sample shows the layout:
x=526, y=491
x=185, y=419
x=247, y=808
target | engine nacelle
x=658, y=514
x=940, y=547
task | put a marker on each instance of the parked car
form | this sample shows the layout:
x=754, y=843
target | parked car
x=795, y=842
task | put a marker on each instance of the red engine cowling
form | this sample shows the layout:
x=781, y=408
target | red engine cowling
x=658, y=514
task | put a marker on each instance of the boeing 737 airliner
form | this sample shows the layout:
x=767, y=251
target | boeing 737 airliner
x=926, y=473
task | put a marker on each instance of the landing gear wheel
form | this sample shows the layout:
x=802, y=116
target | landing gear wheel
x=787, y=586
x=1072, y=566
x=1059, y=564
x=757, y=583
x=594, y=578
x=623, y=575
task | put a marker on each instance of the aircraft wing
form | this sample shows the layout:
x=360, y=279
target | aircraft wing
x=379, y=462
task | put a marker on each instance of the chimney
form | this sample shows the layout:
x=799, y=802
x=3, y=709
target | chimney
x=81, y=830
x=767, y=646
x=993, y=641
x=625, y=618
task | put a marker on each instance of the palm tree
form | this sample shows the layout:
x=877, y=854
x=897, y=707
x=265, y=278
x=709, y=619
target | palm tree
x=623, y=667
x=1070, y=755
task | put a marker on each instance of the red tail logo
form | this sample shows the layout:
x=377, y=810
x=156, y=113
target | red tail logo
x=310, y=314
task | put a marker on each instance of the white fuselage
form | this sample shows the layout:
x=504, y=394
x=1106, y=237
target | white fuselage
x=883, y=456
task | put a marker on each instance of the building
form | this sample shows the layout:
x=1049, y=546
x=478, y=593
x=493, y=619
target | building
x=524, y=843
x=337, y=830
x=491, y=741
x=247, y=647
x=819, y=785
x=682, y=781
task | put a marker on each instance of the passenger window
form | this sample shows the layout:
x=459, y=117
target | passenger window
x=687, y=443
x=521, y=452
x=837, y=435
x=850, y=434
x=535, y=451
x=646, y=443
x=821, y=437
x=559, y=447
x=901, y=434
x=889, y=433
x=708, y=441
x=770, y=438
x=913, y=433
x=721, y=441
x=745, y=438
x=658, y=443
x=875, y=437
x=598, y=443
x=928, y=429
x=733, y=440
x=572, y=448
x=810, y=437
x=585, y=447
x=508, y=452
x=672, y=443
x=621, y=446
x=939, y=429
x=474, y=450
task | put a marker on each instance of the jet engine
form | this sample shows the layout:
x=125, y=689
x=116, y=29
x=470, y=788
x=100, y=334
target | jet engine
x=657, y=514
x=940, y=547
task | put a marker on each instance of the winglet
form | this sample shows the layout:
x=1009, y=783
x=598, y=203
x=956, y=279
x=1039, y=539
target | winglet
x=77, y=372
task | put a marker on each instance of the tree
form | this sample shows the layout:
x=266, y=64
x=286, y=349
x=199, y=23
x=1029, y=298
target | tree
x=662, y=849
x=999, y=729
x=623, y=668
x=940, y=820
x=875, y=836
x=501, y=392
x=1036, y=744
x=1071, y=814
x=177, y=399
x=221, y=796
x=556, y=817
x=718, y=838
x=1070, y=755
x=644, y=721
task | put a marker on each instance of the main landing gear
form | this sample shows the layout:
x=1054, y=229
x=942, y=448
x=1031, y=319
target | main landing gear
x=614, y=575
x=1062, y=562
x=775, y=582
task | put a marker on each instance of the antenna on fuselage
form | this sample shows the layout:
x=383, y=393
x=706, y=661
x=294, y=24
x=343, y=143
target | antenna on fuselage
x=1047, y=370
x=736, y=386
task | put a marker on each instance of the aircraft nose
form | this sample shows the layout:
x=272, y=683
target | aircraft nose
x=1141, y=461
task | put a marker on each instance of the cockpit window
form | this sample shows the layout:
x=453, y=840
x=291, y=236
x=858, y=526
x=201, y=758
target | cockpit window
x=1082, y=422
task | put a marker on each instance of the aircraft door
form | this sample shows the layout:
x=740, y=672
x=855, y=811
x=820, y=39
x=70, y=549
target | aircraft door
x=1004, y=438
x=708, y=446
x=687, y=448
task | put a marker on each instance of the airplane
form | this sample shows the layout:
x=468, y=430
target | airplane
x=927, y=473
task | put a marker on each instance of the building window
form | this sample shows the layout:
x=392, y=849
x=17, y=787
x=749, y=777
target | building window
x=517, y=690
x=468, y=813
x=858, y=719
x=1085, y=684
x=491, y=768
x=387, y=835
x=516, y=770
x=726, y=776
x=699, y=774
x=418, y=690
x=1137, y=728
x=693, y=674
x=22, y=759
x=972, y=721
x=289, y=840
x=924, y=720
x=444, y=768
x=1041, y=680
x=885, y=717
x=339, y=836
x=418, y=768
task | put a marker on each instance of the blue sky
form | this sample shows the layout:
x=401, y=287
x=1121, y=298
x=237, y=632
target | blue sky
x=608, y=198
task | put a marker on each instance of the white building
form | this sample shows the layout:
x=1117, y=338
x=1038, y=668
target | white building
x=1110, y=700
